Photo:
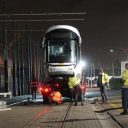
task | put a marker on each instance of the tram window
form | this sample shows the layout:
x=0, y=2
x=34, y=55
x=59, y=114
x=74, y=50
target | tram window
x=61, y=51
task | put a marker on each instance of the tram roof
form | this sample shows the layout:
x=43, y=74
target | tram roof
x=68, y=27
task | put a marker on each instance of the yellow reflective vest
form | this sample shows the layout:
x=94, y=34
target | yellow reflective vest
x=125, y=77
x=73, y=81
x=105, y=78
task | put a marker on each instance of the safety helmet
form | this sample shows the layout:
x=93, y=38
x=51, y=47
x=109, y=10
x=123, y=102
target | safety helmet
x=126, y=65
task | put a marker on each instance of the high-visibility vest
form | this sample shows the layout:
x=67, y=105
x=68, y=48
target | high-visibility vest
x=105, y=78
x=73, y=81
x=125, y=77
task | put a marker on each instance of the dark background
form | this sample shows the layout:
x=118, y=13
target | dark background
x=104, y=26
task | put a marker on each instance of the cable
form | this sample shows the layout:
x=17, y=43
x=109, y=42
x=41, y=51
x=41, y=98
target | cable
x=45, y=14
x=43, y=20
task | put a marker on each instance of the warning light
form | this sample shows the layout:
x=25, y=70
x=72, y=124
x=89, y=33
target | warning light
x=46, y=90
x=57, y=85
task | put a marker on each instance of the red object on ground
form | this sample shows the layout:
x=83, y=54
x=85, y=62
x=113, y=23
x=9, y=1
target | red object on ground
x=56, y=97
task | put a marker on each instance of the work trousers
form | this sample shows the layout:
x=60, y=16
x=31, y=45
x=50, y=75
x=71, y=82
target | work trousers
x=103, y=93
x=77, y=93
x=125, y=99
x=33, y=91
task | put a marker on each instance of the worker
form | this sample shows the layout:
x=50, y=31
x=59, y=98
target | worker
x=102, y=82
x=74, y=86
x=125, y=90
x=33, y=85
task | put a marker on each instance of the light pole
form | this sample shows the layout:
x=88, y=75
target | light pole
x=112, y=51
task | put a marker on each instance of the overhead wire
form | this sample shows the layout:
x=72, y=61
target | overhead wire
x=43, y=20
x=44, y=14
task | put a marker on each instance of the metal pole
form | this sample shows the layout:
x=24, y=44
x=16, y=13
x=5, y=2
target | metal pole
x=18, y=64
x=91, y=75
x=22, y=65
x=113, y=69
x=2, y=7
x=28, y=58
x=93, y=70
x=14, y=61
x=5, y=58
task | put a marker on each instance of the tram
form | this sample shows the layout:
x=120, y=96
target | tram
x=62, y=54
x=62, y=44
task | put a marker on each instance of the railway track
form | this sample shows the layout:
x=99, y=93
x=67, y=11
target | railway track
x=65, y=115
x=50, y=117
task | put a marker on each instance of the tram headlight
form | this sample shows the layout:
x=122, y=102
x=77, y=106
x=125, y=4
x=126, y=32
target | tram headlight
x=82, y=63
x=51, y=69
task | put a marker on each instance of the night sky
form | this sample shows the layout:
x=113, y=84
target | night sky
x=105, y=26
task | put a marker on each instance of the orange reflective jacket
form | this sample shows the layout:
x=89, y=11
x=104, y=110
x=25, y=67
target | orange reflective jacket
x=56, y=96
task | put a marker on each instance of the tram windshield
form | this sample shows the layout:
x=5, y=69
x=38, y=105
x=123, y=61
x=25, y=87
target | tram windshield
x=60, y=51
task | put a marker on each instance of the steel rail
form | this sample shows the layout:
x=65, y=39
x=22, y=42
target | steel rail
x=65, y=116
x=33, y=120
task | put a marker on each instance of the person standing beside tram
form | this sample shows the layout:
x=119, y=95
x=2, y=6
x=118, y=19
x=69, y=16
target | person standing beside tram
x=33, y=85
x=124, y=81
x=102, y=82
